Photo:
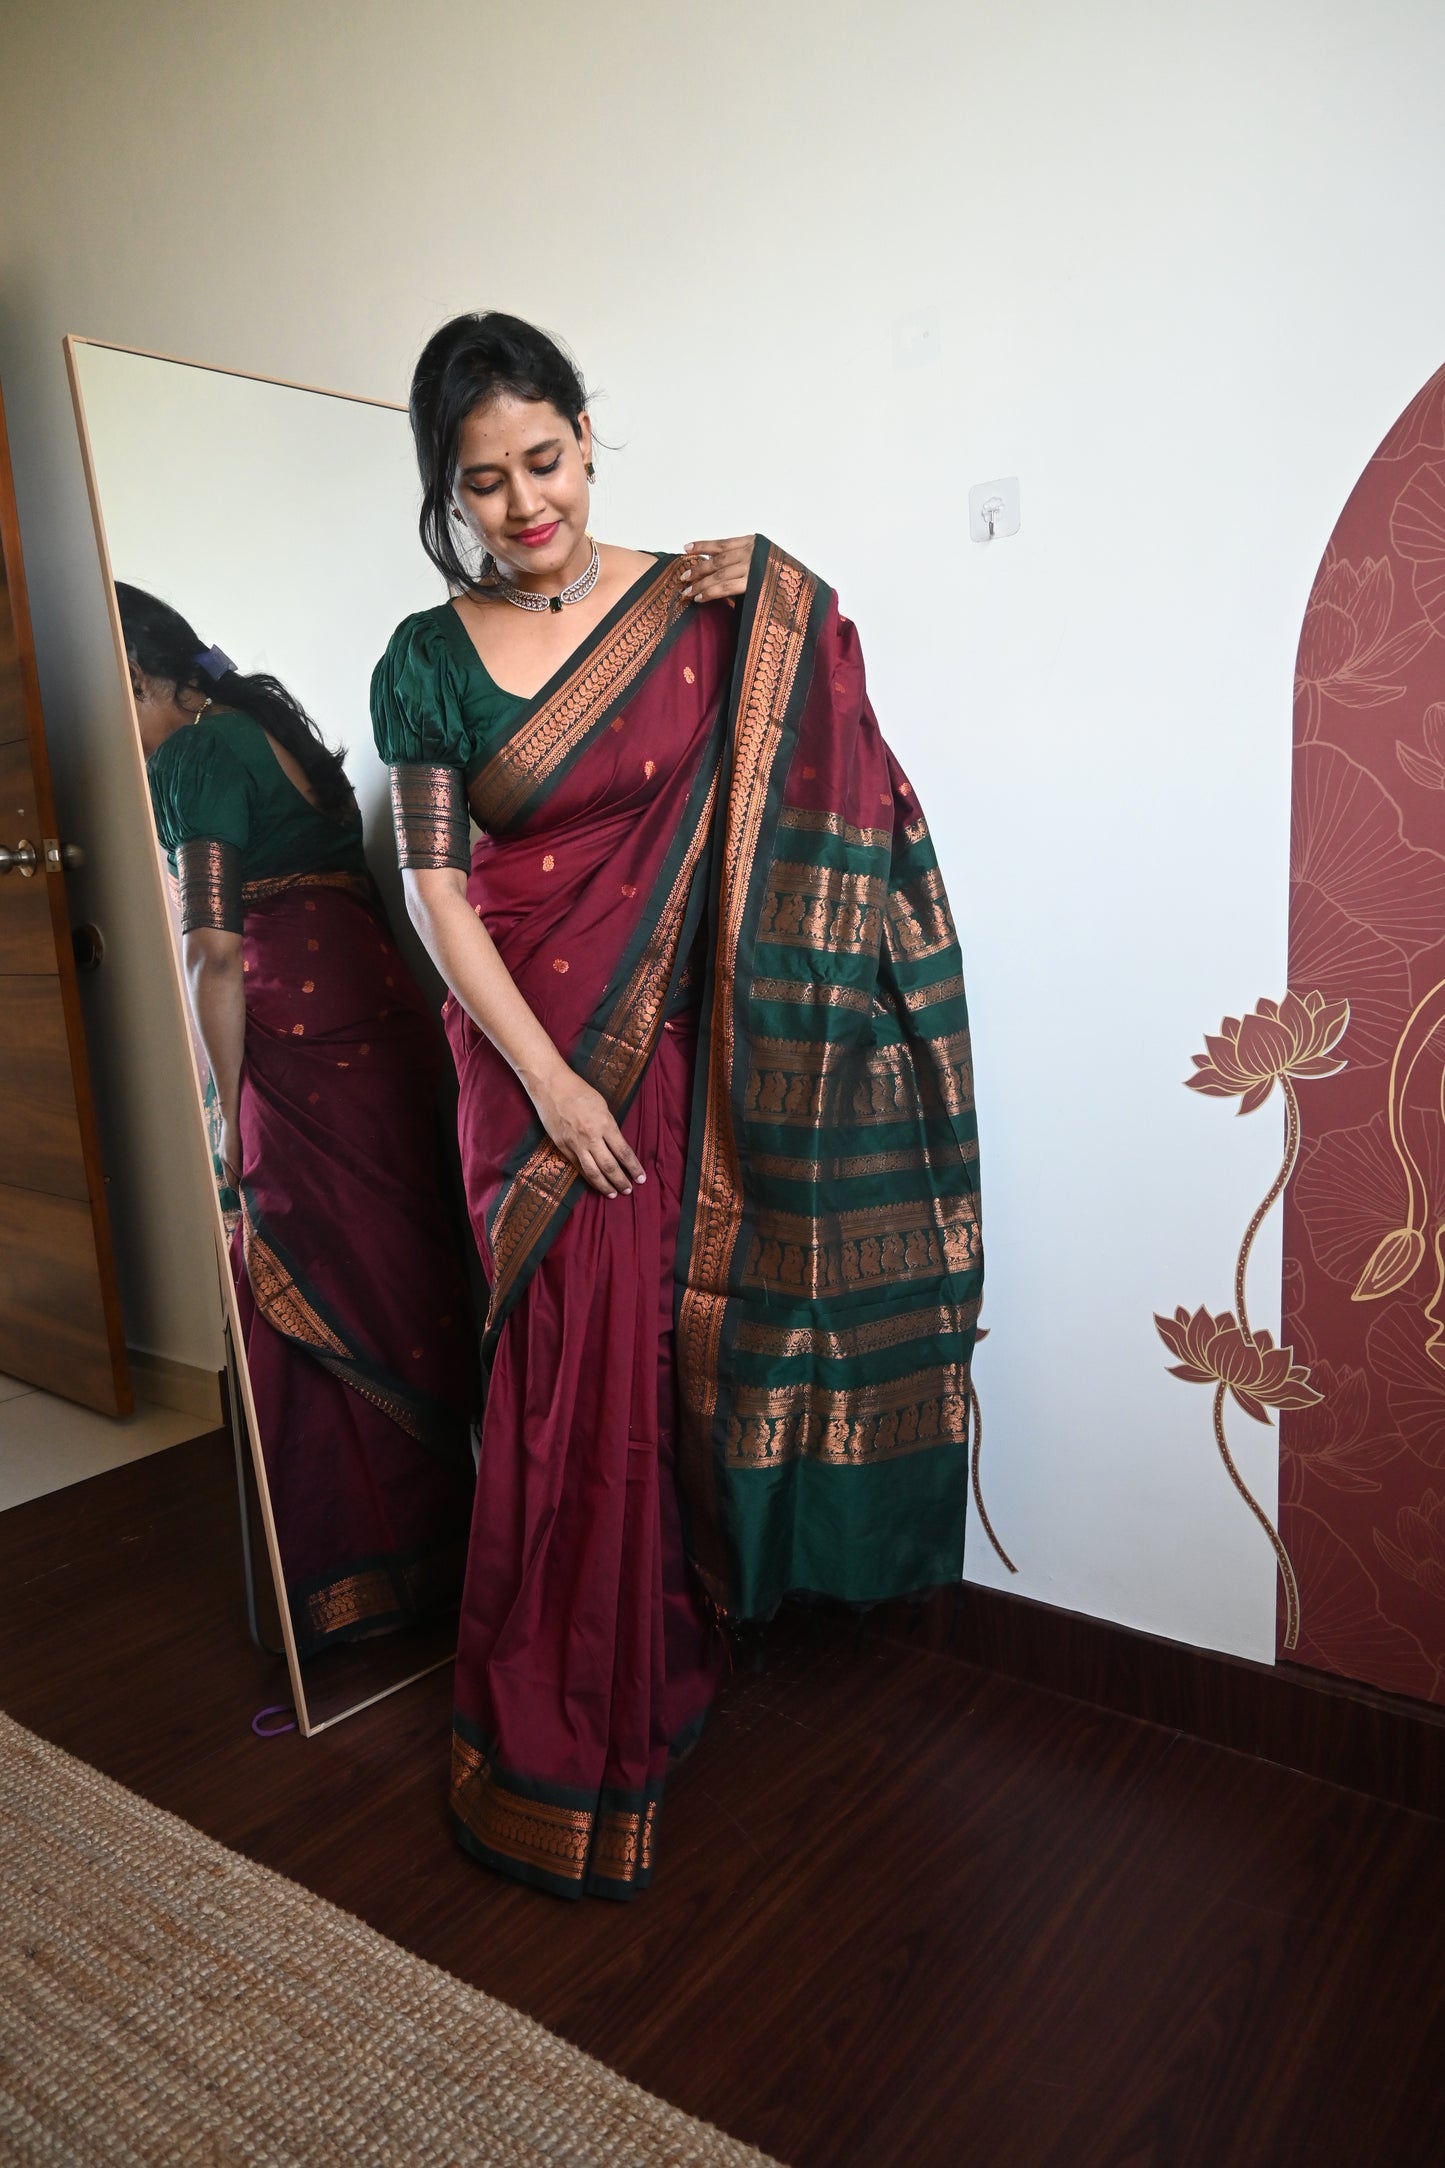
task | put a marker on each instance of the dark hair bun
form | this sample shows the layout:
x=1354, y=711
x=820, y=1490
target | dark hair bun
x=469, y=361
x=163, y=645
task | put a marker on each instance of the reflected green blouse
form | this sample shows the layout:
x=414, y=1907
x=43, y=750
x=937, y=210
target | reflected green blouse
x=218, y=783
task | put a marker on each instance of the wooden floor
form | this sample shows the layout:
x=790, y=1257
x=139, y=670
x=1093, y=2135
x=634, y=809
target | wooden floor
x=906, y=1911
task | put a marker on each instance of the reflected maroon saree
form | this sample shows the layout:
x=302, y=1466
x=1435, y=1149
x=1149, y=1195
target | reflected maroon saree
x=712, y=884
x=354, y=1305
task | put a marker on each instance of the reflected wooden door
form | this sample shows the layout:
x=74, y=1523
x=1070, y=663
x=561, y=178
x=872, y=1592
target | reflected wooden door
x=60, y=1320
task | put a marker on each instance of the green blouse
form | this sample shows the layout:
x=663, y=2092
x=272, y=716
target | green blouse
x=433, y=702
x=218, y=784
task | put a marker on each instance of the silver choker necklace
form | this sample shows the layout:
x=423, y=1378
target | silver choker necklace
x=522, y=598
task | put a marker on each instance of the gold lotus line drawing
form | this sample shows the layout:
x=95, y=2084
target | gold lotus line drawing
x=1278, y=1042
x=1398, y=1256
x=1346, y=651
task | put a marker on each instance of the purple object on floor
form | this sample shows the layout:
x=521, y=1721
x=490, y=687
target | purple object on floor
x=273, y=1731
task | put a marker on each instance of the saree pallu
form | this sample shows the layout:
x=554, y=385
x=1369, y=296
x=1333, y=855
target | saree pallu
x=355, y=1309
x=711, y=883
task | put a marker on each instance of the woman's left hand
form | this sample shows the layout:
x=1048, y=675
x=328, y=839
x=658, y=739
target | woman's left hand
x=715, y=571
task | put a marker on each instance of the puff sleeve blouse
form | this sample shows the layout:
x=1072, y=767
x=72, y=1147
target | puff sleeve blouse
x=435, y=712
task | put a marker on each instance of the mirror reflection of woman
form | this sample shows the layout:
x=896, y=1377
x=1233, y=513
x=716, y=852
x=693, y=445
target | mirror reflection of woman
x=324, y=1062
x=716, y=1108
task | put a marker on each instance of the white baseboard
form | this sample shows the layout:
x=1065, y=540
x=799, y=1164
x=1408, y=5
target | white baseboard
x=188, y=1387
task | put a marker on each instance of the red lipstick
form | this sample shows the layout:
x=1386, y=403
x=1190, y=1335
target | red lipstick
x=536, y=538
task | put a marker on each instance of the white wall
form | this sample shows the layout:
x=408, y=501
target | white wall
x=1183, y=264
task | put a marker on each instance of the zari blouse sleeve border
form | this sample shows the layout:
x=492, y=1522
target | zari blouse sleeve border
x=208, y=879
x=429, y=814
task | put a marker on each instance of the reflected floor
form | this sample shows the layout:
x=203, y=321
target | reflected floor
x=46, y=1444
x=346, y=1677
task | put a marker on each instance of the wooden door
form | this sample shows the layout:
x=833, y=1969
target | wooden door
x=60, y=1321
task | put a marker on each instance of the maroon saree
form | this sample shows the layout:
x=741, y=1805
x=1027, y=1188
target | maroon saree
x=354, y=1305
x=712, y=885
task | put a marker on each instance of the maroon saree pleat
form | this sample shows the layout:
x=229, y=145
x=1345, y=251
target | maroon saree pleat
x=584, y=1656
x=355, y=1310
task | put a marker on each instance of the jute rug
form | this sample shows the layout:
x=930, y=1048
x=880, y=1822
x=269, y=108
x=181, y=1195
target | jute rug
x=163, y=2000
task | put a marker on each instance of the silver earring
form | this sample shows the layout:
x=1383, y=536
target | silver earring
x=590, y=471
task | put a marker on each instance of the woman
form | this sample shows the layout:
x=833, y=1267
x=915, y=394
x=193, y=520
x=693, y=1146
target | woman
x=324, y=1061
x=716, y=1111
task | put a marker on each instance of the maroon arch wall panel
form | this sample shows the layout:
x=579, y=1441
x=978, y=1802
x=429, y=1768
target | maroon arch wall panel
x=1362, y=1474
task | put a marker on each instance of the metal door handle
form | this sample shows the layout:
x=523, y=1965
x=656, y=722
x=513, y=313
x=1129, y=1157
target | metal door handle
x=25, y=860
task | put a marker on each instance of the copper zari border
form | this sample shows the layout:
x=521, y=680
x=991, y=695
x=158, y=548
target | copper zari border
x=916, y=998
x=814, y=994
x=812, y=820
x=822, y=1082
x=347, y=1602
x=540, y=745
x=390, y=1402
x=918, y=921
x=807, y=1256
x=279, y=1297
x=811, y=1057
x=845, y=1343
x=852, y=1167
x=567, y=1845
x=352, y=884
x=812, y=906
x=776, y=645
x=849, y=1427
x=207, y=885
x=429, y=816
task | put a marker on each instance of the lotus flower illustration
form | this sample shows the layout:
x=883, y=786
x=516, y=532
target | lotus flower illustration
x=1426, y=767
x=1398, y=1255
x=1278, y=1042
x=1346, y=649
x=1277, y=1039
x=1420, y=1553
x=1217, y=1351
x=1330, y=1439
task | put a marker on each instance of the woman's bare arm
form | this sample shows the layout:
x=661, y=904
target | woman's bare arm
x=217, y=990
x=576, y=1118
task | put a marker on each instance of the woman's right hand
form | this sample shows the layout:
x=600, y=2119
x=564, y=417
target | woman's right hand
x=576, y=1118
x=581, y=1125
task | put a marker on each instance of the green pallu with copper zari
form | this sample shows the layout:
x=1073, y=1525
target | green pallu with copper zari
x=829, y=1263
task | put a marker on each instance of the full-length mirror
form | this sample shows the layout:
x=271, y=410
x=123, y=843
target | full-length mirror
x=257, y=540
